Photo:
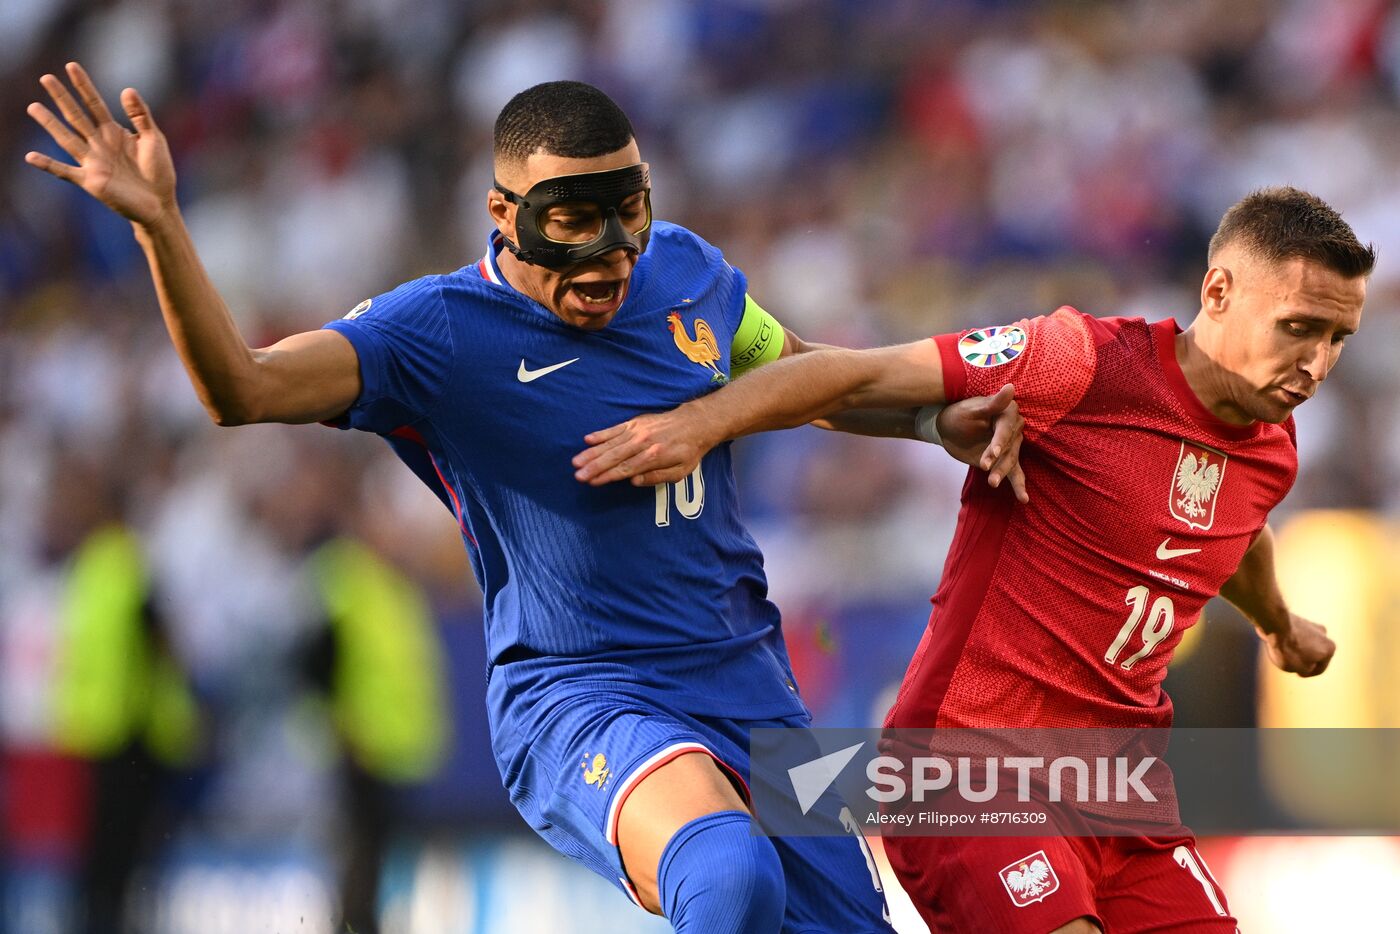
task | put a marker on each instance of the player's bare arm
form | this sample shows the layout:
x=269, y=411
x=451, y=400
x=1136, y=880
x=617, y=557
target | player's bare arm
x=967, y=430
x=304, y=378
x=874, y=423
x=790, y=392
x=1295, y=644
x=964, y=430
x=793, y=391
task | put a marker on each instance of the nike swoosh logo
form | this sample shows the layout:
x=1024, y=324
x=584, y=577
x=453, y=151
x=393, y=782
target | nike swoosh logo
x=1166, y=554
x=529, y=376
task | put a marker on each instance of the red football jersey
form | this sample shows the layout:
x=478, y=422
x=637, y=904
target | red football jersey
x=1064, y=612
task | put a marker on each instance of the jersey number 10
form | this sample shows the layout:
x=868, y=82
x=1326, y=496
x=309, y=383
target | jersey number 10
x=689, y=495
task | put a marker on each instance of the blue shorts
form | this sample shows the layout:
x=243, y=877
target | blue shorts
x=590, y=749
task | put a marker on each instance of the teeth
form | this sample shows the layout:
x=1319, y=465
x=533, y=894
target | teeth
x=600, y=299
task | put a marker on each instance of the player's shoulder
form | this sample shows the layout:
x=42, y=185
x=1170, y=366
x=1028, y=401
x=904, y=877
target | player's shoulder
x=427, y=298
x=404, y=300
x=469, y=285
x=1065, y=331
x=1118, y=335
x=1101, y=330
x=679, y=263
x=681, y=251
x=1065, y=326
x=673, y=238
x=415, y=316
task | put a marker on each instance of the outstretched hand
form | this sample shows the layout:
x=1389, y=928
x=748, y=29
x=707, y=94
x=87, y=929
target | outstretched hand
x=130, y=171
x=985, y=432
x=665, y=447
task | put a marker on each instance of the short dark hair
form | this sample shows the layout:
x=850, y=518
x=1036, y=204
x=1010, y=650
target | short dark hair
x=562, y=118
x=1283, y=223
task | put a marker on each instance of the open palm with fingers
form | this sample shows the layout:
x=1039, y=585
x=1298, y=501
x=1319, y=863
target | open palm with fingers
x=129, y=170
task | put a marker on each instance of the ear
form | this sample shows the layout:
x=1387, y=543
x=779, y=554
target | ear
x=502, y=212
x=1215, y=290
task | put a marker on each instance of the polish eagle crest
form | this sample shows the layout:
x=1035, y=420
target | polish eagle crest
x=1029, y=879
x=1195, y=483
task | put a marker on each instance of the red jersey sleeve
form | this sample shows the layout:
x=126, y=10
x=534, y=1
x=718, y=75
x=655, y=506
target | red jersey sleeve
x=1050, y=360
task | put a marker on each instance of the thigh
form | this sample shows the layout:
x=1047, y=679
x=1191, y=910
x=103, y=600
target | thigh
x=1012, y=885
x=660, y=802
x=1161, y=885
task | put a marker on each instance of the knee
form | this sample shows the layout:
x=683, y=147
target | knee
x=716, y=877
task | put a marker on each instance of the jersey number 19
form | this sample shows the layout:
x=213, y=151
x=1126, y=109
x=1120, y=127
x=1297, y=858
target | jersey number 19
x=1158, y=627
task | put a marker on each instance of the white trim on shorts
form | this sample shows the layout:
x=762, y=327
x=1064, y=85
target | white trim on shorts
x=653, y=762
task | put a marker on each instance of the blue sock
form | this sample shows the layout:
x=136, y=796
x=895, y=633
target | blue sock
x=716, y=877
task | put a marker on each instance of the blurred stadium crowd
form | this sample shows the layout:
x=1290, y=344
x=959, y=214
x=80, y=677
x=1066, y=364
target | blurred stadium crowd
x=881, y=169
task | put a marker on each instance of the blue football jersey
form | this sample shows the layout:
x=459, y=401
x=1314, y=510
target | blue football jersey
x=487, y=395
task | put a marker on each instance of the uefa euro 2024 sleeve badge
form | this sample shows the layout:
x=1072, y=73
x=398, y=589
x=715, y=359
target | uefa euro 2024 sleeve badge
x=987, y=347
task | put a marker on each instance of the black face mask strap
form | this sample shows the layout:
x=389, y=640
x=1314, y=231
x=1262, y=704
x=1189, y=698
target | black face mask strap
x=509, y=195
x=524, y=256
x=519, y=201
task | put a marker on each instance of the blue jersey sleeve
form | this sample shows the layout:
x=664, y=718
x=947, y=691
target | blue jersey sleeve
x=734, y=305
x=691, y=263
x=405, y=348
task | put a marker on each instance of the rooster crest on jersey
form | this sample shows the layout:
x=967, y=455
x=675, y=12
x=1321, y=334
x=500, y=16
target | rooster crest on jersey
x=702, y=348
x=1195, y=483
x=1030, y=879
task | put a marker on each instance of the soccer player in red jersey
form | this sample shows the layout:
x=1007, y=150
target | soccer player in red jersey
x=1153, y=457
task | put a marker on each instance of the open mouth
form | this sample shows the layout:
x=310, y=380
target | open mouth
x=599, y=296
x=1296, y=398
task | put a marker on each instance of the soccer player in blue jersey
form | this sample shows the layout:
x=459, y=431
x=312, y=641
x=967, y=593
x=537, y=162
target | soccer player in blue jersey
x=631, y=641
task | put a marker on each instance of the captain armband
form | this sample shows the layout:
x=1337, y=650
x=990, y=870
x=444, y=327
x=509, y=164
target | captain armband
x=758, y=340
